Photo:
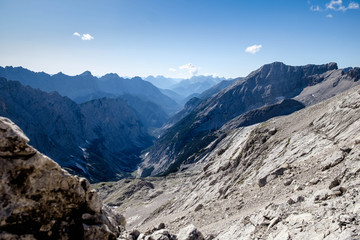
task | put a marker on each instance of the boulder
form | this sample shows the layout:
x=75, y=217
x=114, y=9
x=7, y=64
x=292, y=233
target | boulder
x=190, y=232
x=41, y=200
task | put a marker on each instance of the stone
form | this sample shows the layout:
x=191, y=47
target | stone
x=291, y=201
x=198, y=207
x=161, y=226
x=162, y=234
x=314, y=181
x=288, y=181
x=334, y=183
x=321, y=195
x=134, y=234
x=298, y=187
x=190, y=232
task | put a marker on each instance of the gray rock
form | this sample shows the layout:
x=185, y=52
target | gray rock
x=42, y=200
x=190, y=232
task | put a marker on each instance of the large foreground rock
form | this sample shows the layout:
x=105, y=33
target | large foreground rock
x=40, y=200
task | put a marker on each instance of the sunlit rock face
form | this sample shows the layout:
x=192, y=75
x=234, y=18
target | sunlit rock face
x=40, y=200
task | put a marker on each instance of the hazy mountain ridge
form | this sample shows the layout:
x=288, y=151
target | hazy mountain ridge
x=182, y=90
x=85, y=86
x=265, y=86
x=102, y=132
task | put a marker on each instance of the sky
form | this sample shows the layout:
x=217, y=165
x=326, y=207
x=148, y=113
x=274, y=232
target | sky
x=176, y=38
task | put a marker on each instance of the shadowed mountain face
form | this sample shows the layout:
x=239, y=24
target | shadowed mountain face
x=265, y=86
x=86, y=87
x=100, y=139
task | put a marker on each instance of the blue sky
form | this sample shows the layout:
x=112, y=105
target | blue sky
x=176, y=38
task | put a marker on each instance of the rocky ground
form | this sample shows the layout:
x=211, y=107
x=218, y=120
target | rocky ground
x=292, y=177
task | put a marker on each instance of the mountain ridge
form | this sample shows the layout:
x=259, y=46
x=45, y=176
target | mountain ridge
x=86, y=85
x=264, y=86
x=102, y=132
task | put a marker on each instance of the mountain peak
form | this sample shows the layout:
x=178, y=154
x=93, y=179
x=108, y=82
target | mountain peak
x=86, y=74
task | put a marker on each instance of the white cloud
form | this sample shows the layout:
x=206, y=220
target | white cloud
x=85, y=36
x=334, y=5
x=172, y=70
x=253, y=49
x=315, y=8
x=329, y=16
x=353, y=5
x=337, y=5
x=214, y=75
x=190, y=68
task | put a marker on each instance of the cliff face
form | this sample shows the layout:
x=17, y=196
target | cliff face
x=266, y=86
x=39, y=200
x=100, y=139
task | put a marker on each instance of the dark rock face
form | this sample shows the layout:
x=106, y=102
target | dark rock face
x=39, y=200
x=265, y=86
x=285, y=107
x=188, y=108
x=217, y=88
x=100, y=139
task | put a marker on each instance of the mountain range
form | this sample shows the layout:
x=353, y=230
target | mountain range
x=182, y=90
x=103, y=138
x=85, y=87
x=99, y=139
x=268, y=85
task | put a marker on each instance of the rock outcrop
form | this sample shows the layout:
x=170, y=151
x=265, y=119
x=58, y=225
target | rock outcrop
x=39, y=200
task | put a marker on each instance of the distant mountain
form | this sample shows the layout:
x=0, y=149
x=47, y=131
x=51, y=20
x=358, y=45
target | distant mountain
x=181, y=90
x=265, y=86
x=196, y=84
x=162, y=82
x=87, y=87
x=100, y=139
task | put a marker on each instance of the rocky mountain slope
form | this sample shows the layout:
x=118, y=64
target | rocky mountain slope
x=291, y=177
x=85, y=86
x=266, y=86
x=39, y=200
x=100, y=139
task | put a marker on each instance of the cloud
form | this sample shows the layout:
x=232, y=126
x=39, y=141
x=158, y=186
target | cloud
x=337, y=5
x=315, y=8
x=190, y=68
x=85, y=36
x=172, y=70
x=353, y=5
x=329, y=16
x=253, y=49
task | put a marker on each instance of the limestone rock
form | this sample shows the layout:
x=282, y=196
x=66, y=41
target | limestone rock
x=190, y=232
x=41, y=200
